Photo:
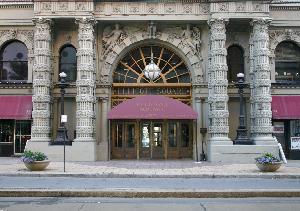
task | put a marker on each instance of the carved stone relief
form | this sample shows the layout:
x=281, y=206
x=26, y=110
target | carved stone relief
x=277, y=36
x=116, y=40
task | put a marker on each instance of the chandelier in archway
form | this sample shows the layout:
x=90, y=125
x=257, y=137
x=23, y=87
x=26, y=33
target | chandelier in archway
x=152, y=71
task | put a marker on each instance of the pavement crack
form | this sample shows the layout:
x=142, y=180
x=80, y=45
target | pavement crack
x=202, y=205
x=81, y=207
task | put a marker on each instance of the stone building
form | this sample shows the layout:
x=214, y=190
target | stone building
x=149, y=79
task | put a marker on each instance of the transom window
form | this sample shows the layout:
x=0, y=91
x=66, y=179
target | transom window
x=14, y=62
x=130, y=68
x=287, y=62
x=68, y=62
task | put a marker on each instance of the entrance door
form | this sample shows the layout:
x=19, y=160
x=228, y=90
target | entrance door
x=124, y=140
x=151, y=140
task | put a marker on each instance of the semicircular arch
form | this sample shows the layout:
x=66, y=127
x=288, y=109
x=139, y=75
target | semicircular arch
x=186, y=52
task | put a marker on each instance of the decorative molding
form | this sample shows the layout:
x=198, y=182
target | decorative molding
x=21, y=5
x=143, y=8
x=239, y=7
x=284, y=8
x=54, y=8
x=277, y=36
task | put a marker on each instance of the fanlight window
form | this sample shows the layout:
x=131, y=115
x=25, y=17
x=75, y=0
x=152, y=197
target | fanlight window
x=287, y=62
x=14, y=62
x=171, y=69
x=68, y=62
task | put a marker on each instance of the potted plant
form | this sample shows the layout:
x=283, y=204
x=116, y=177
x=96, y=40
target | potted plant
x=35, y=161
x=267, y=162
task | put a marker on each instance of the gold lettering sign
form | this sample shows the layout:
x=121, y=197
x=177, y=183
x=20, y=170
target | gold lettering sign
x=151, y=91
x=152, y=107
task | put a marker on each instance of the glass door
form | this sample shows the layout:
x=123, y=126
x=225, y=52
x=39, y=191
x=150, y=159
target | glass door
x=151, y=144
x=130, y=143
x=145, y=143
x=123, y=140
x=22, y=135
x=157, y=147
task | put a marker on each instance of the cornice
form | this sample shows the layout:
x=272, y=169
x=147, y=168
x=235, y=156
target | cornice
x=21, y=5
x=285, y=8
x=15, y=85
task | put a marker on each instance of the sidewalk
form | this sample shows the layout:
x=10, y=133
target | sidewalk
x=149, y=169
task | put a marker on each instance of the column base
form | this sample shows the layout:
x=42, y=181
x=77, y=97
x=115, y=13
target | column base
x=79, y=151
x=221, y=153
x=264, y=140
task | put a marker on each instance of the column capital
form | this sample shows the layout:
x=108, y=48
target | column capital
x=260, y=21
x=217, y=21
x=86, y=21
x=42, y=20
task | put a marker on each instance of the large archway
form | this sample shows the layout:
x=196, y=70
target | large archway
x=151, y=138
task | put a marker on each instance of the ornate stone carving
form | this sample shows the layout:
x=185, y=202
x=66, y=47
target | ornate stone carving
x=217, y=81
x=111, y=38
x=25, y=36
x=85, y=98
x=173, y=35
x=261, y=84
x=277, y=36
x=193, y=38
x=240, y=6
x=148, y=8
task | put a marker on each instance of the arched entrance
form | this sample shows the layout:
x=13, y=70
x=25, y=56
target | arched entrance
x=151, y=137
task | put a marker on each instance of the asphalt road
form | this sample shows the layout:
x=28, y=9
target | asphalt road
x=121, y=204
x=67, y=183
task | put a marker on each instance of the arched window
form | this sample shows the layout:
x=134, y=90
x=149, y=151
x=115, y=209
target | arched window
x=287, y=62
x=235, y=62
x=130, y=68
x=68, y=62
x=14, y=62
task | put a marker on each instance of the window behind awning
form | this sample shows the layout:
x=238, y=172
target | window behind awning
x=15, y=107
x=286, y=107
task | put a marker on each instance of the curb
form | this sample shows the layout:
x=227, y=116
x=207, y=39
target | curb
x=112, y=175
x=150, y=193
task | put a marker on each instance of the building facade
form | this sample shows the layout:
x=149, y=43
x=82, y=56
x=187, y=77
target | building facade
x=104, y=48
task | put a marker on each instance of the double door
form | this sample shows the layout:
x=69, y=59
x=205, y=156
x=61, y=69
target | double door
x=151, y=140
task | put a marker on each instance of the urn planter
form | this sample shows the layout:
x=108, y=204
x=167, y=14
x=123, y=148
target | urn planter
x=37, y=165
x=268, y=167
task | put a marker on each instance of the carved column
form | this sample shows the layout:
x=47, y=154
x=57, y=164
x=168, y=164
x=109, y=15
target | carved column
x=261, y=95
x=217, y=82
x=85, y=98
x=41, y=80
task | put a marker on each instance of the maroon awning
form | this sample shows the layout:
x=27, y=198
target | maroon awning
x=286, y=107
x=152, y=107
x=15, y=107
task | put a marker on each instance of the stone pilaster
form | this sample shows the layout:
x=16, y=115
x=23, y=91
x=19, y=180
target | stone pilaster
x=85, y=98
x=41, y=80
x=217, y=82
x=251, y=82
x=104, y=109
x=261, y=96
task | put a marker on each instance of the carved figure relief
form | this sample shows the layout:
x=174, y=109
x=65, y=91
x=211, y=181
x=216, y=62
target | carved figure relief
x=193, y=38
x=111, y=38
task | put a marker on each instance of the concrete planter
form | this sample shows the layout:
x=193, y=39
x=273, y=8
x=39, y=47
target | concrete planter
x=37, y=165
x=268, y=167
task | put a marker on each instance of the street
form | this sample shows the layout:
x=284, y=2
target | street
x=67, y=183
x=166, y=204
